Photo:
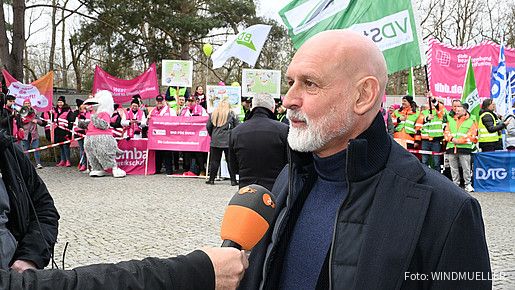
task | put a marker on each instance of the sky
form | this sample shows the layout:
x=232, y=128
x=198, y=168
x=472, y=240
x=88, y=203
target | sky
x=270, y=8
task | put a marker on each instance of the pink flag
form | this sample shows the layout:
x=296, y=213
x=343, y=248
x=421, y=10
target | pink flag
x=145, y=85
x=40, y=92
x=447, y=67
x=178, y=133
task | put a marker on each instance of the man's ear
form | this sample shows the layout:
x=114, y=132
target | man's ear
x=368, y=89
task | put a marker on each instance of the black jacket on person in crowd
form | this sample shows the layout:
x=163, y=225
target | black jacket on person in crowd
x=27, y=193
x=192, y=271
x=62, y=135
x=8, y=120
x=220, y=135
x=488, y=121
x=257, y=149
x=399, y=218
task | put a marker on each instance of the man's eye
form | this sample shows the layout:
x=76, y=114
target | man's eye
x=309, y=84
x=290, y=83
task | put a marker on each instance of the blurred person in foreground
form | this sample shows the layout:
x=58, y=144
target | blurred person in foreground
x=28, y=217
x=355, y=210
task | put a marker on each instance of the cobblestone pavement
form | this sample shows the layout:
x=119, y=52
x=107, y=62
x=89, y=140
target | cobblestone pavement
x=110, y=220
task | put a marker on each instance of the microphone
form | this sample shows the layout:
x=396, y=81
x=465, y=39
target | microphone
x=247, y=217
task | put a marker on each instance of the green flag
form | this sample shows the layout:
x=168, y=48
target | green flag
x=411, y=83
x=389, y=23
x=470, y=94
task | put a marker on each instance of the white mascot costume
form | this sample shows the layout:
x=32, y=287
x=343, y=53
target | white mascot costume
x=100, y=146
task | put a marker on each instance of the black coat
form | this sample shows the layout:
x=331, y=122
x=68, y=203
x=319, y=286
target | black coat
x=24, y=187
x=193, y=271
x=8, y=120
x=398, y=217
x=220, y=135
x=61, y=135
x=257, y=148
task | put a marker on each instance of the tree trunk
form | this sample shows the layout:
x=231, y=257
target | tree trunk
x=26, y=65
x=63, y=48
x=76, y=69
x=51, y=58
x=4, y=40
x=18, y=39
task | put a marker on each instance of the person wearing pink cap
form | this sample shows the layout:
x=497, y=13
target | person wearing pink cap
x=29, y=126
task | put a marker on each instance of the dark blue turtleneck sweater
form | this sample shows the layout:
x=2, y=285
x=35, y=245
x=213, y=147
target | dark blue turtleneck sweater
x=313, y=232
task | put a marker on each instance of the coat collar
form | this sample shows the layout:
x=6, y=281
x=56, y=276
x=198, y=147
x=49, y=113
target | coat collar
x=260, y=112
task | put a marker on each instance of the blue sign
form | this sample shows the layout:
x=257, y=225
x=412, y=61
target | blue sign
x=494, y=171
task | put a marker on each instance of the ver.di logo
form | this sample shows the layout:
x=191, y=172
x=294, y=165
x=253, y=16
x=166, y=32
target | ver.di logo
x=245, y=39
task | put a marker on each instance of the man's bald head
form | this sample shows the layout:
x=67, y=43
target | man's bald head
x=351, y=54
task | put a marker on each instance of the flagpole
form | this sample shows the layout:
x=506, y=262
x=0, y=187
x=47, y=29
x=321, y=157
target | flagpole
x=428, y=89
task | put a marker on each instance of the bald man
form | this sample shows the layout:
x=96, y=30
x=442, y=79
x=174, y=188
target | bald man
x=354, y=209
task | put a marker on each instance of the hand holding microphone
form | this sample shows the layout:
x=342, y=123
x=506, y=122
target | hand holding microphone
x=246, y=220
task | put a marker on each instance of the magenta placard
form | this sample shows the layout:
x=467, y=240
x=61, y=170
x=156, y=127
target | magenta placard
x=447, y=66
x=178, y=134
x=145, y=85
x=134, y=155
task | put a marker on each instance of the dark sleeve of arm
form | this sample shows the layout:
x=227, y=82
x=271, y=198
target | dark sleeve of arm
x=209, y=126
x=192, y=271
x=71, y=119
x=488, y=121
x=235, y=120
x=233, y=160
x=38, y=242
x=43, y=121
x=117, y=123
x=4, y=119
x=465, y=250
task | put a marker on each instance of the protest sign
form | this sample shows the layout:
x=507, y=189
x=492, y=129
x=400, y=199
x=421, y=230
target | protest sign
x=257, y=81
x=215, y=94
x=177, y=73
x=178, y=133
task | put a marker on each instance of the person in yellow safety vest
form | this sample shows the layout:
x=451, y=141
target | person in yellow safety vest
x=510, y=129
x=490, y=127
x=431, y=126
x=404, y=120
x=461, y=136
x=244, y=109
x=172, y=94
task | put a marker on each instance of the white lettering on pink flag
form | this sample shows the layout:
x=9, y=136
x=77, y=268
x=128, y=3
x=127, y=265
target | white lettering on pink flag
x=134, y=156
x=178, y=133
x=447, y=67
x=123, y=90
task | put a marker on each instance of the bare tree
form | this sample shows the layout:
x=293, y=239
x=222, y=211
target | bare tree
x=51, y=59
x=13, y=59
x=63, y=47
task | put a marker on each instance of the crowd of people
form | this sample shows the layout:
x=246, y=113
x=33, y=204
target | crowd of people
x=431, y=127
x=64, y=123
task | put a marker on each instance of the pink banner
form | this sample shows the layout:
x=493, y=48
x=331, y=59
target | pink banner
x=447, y=67
x=178, y=134
x=145, y=85
x=134, y=156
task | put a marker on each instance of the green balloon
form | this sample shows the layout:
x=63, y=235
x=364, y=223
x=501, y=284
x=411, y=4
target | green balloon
x=208, y=49
x=235, y=84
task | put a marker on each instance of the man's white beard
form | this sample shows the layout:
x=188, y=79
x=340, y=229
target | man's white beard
x=315, y=135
